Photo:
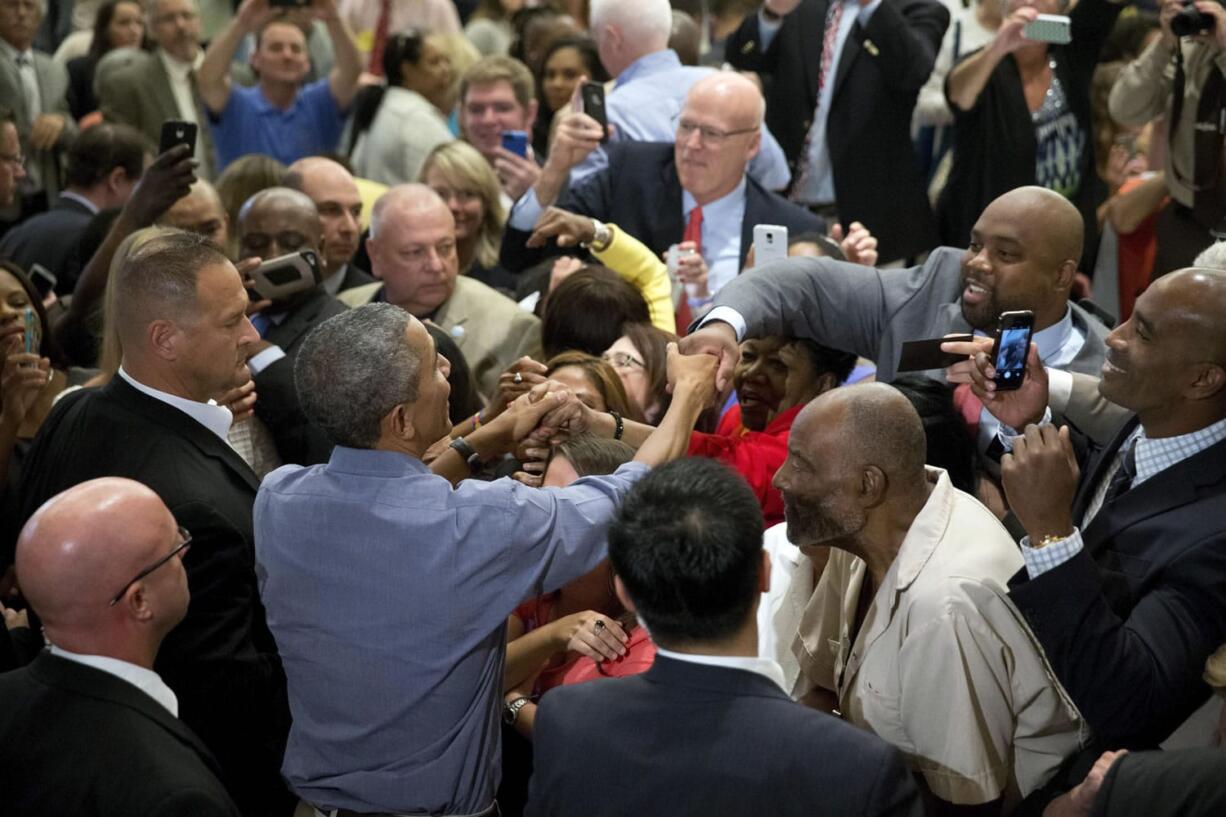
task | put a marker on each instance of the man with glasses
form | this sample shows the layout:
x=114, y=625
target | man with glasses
x=12, y=162
x=181, y=316
x=103, y=566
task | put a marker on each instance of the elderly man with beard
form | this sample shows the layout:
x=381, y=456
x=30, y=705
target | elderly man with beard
x=910, y=633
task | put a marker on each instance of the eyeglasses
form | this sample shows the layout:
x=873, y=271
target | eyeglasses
x=180, y=548
x=710, y=136
x=622, y=360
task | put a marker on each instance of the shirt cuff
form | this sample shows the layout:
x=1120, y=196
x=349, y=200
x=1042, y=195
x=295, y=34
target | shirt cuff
x=525, y=213
x=767, y=29
x=866, y=13
x=1040, y=560
x=1007, y=434
x=729, y=316
x=265, y=359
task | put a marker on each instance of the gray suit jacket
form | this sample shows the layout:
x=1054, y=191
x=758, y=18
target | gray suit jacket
x=140, y=95
x=872, y=312
x=53, y=88
x=1094, y=415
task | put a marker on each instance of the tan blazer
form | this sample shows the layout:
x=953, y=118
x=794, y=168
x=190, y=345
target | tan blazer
x=1094, y=415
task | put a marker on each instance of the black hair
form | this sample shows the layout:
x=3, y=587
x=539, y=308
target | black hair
x=824, y=359
x=687, y=545
x=829, y=247
x=48, y=348
x=950, y=445
x=99, y=46
x=101, y=149
x=586, y=312
x=404, y=46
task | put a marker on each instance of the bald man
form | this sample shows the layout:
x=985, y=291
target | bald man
x=272, y=223
x=1023, y=255
x=909, y=632
x=90, y=728
x=694, y=188
x=181, y=315
x=339, y=203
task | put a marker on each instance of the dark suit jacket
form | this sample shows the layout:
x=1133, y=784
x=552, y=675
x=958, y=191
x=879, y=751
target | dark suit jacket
x=220, y=660
x=639, y=192
x=50, y=239
x=53, y=89
x=77, y=740
x=298, y=441
x=882, y=66
x=688, y=739
x=1182, y=783
x=1129, y=622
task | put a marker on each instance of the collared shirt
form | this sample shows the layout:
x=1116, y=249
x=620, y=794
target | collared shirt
x=1153, y=456
x=251, y=124
x=24, y=62
x=765, y=667
x=184, y=90
x=215, y=418
x=388, y=591
x=942, y=644
x=721, y=234
x=643, y=107
x=332, y=284
x=818, y=178
x=81, y=200
x=146, y=680
x=781, y=607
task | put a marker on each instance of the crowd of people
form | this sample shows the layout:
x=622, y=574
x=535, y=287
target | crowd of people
x=499, y=407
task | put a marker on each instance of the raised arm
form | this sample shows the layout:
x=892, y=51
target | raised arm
x=347, y=65
x=213, y=78
x=969, y=77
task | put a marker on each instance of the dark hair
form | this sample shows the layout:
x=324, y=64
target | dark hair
x=520, y=21
x=950, y=445
x=824, y=359
x=101, y=149
x=687, y=545
x=603, y=376
x=404, y=46
x=652, y=343
x=7, y=115
x=49, y=347
x=464, y=402
x=590, y=455
x=102, y=21
x=244, y=177
x=586, y=47
x=829, y=247
x=586, y=312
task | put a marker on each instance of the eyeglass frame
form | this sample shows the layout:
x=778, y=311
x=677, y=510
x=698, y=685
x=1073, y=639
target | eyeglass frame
x=175, y=551
x=630, y=360
x=709, y=136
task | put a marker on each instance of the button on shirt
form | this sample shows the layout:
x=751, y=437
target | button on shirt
x=251, y=124
x=387, y=591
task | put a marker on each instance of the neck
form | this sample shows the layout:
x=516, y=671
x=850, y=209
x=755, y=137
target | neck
x=743, y=644
x=280, y=94
x=412, y=448
x=131, y=650
x=94, y=195
x=1047, y=317
x=163, y=379
x=631, y=59
x=881, y=540
x=1031, y=59
x=188, y=60
x=703, y=201
x=1166, y=421
x=22, y=46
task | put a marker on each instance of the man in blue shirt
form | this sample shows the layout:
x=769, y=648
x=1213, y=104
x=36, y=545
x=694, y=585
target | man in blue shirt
x=387, y=589
x=278, y=116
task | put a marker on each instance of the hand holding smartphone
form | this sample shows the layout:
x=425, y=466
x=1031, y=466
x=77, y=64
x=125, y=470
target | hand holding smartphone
x=177, y=132
x=1011, y=348
x=592, y=94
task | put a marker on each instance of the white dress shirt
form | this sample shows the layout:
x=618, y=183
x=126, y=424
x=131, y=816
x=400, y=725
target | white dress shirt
x=24, y=62
x=765, y=667
x=782, y=607
x=215, y=418
x=146, y=680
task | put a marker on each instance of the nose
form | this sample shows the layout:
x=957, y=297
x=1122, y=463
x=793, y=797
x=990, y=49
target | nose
x=249, y=335
x=444, y=365
x=778, y=481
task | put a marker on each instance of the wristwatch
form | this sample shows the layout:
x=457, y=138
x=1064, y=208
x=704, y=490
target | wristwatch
x=603, y=236
x=510, y=710
x=467, y=453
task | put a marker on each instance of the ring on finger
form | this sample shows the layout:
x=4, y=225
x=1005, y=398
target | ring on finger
x=517, y=379
x=599, y=625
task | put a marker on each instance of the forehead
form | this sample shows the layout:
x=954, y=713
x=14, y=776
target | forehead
x=708, y=105
x=128, y=8
x=9, y=283
x=276, y=216
x=564, y=56
x=1004, y=221
x=8, y=136
x=220, y=284
x=763, y=346
x=281, y=33
x=160, y=8
x=421, y=224
x=194, y=206
x=331, y=184
x=420, y=340
x=490, y=92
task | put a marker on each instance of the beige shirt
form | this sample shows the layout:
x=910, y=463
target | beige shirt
x=943, y=667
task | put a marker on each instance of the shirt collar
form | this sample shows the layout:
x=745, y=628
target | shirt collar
x=1156, y=455
x=179, y=69
x=79, y=199
x=12, y=53
x=1052, y=339
x=766, y=667
x=726, y=206
x=647, y=65
x=146, y=680
x=215, y=418
x=926, y=531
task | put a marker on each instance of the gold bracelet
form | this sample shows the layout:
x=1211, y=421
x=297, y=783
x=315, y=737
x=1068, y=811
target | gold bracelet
x=1049, y=539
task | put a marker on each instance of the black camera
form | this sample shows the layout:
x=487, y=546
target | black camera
x=1190, y=21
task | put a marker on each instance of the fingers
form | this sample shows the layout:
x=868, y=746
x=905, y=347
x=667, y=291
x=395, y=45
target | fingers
x=836, y=232
x=576, y=96
x=599, y=638
x=531, y=480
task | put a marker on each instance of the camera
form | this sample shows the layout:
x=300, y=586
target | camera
x=1190, y=21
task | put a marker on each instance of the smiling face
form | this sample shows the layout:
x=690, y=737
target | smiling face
x=578, y=381
x=562, y=72
x=14, y=300
x=488, y=110
x=281, y=56
x=430, y=412
x=627, y=361
x=127, y=26
x=431, y=76
x=175, y=27
x=465, y=204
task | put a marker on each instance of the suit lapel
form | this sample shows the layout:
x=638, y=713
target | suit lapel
x=669, y=227
x=851, y=50
x=1096, y=470
x=12, y=78
x=812, y=21
x=163, y=95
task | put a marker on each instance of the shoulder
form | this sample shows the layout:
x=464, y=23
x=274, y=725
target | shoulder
x=791, y=215
x=469, y=292
x=637, y=155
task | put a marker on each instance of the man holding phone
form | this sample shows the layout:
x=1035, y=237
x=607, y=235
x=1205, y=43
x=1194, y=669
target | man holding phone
x=497, y=98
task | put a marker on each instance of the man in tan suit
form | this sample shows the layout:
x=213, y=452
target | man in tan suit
x=412, y=250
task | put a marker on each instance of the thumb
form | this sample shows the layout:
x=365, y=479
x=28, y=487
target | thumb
x=836, y=232
x=576, y=96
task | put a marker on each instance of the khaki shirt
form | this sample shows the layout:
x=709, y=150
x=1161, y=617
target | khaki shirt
x=943, y=667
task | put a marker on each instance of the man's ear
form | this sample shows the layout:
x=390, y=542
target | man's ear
x=115, y=178
x=399, y=424
x=1065, y=274
x=874, y=484
x=164, y=338
x=1209, y=382
x=622, y=595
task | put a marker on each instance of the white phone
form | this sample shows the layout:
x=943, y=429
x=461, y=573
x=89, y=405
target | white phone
x=1049, y=28
x=770, y=243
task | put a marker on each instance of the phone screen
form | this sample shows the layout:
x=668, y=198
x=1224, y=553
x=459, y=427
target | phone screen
x=1010, y=360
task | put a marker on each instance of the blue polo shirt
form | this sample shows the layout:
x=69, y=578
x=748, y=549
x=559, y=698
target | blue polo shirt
x=251, y=124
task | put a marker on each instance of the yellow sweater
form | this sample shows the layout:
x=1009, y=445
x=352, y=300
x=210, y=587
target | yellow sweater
x=633, y=261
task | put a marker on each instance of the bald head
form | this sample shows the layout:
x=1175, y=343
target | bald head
x=1194, y=298
x=402, y=202
x=278, y=221
x=1056, y=223
x=733, y=92
x=873, y=424
x=317, y=170
x=80, y=549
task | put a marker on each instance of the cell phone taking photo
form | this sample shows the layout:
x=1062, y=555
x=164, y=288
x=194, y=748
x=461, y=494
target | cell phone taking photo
x=279, y=278
x=1011, y=348
x=177, y=132
x=592, y=94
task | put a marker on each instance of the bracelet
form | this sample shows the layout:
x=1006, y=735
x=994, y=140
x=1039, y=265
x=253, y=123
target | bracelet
x=620, y=427
x=511, y=709
x=1049, y=539
x=477, y=422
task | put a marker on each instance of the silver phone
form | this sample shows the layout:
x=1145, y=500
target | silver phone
x=1049, y=28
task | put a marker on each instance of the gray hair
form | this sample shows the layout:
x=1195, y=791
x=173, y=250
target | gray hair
x=649, y=22
x=353, y=369
x=157, y=281
x=1213, y=257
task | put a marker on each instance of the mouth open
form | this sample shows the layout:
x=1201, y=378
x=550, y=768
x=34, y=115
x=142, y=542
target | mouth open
x=975, y=293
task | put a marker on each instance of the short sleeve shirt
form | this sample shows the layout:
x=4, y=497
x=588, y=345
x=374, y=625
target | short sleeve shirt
x=251, y=124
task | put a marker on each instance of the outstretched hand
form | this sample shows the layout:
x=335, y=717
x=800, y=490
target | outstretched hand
x=717, y=339
x=1016, y=408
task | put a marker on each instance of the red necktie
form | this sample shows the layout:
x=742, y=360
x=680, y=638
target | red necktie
x=381, y=27
x=834, y=19
x=693, y=232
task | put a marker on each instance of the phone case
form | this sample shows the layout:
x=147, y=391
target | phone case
x=1049, y=28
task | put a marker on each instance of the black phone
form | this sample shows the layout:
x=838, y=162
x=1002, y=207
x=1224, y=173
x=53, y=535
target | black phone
x=177, y=132
x=592, y=94
x=43, y=279
x=922, y=355
x=1011, y=348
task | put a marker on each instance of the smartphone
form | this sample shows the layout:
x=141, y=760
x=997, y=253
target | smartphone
x=592, y=94
x=177, y=132
x=922, y=355
x=1011, y=348
x=770, y=243
x=1049, y=28
x=32, y=335
x=44, y=280
x=516, y=141
x=672, y=260
x=279, y=278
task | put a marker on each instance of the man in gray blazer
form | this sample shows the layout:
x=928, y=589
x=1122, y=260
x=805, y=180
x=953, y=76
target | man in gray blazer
x=36, y=89
x=159, y=86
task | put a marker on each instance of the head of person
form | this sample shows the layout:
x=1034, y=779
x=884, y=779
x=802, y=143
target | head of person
x=593, y=382
x=17, y=294
x=686, y=38
x=1132, y=33
x=181, y=314
x=686, y=549
x=1167, y=362
x=950, y=446
x=640, y=358
x=105, y=162
x=586, y=312
x=776, y=373
x=538, y=28
x=280, y=54
x=854, y=455
x=19, y=21
x=719, y=131
x=415, y=61
x=372, y=377
x=338, y=202
x=277, y=222
x=1023, y=254
x=625, y=30
x=584, y=455
x=117, y=24
x=497, y=94
x=200, y=212
x=246, y=176
x=468, y=184
x=412, y=248
x=175, y=26
x=12, y=162
x=102, y=565
x=497, y=9
x=464, y=401
x=110, y=347
x=564, y=63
